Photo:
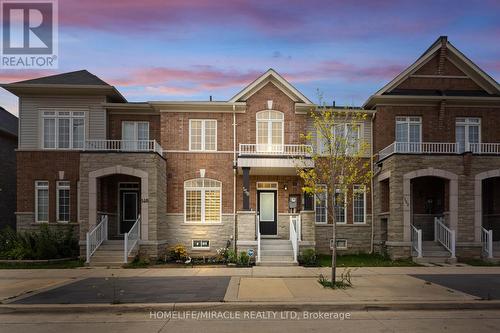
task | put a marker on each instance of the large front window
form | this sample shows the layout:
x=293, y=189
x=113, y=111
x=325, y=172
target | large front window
x=63, y=201
x=270, y=131
x=320, y=205
x=359, y=204
x=468, y=134
x=340, y=206
x=202, y=200
x=408, y=134
x=63, y=129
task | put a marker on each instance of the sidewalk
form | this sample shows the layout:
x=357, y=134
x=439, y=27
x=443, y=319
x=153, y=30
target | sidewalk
x=272, y=285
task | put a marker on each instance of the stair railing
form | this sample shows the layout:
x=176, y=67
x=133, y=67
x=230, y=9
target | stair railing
x=487, y=242
x=257, y=226
x=96, y=236
x=444, y=235
x=293, y=237
x=416, y=240
x=131, y=239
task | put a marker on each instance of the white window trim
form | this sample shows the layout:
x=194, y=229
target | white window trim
x=203, y=190
x=37, y=187
x=361, y=126
x=203, y=128
x=466, y=122
x=270, y=128
x=63, y=187
x=200, y=247
x=364, y=205
x=54, y=114
x=407, y=120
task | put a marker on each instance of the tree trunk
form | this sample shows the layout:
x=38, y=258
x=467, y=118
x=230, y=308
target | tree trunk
x=334, y=240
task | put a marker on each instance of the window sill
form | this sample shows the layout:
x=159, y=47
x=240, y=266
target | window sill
x=202, y=223
x=200, y=249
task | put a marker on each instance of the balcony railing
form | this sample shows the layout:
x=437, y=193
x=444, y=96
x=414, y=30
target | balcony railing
x=275, y=150
x=439, y=148
x=124, y=146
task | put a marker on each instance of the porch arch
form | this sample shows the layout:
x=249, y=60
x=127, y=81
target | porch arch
x=119, y=169
x=453, y=197
x=478, y=200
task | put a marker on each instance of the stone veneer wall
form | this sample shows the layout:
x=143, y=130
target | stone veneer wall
x=154, y=227
x=358, y=237
x=465, y=167
x=218, y=234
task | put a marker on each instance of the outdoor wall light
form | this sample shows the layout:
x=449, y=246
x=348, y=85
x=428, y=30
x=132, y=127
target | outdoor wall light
x=285, y=187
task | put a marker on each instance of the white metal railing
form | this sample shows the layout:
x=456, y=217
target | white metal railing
x=416, y=240
x=124, y=146
x=444, y=235
x=293, y=239
x=439, y=148
x=278, y=150
x=487, y=241
x=96, y=236
x=257, y=231
x=131, y=238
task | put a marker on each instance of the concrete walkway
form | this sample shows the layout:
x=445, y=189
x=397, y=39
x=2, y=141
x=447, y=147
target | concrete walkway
x=265, y=284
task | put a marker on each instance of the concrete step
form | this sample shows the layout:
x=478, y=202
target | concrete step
x=276, y=258
x=274, y=241
x=277, y=263
x=94, y=259
x=436, y=260
x=435, y=253
x=116, y=264
x=267, y=252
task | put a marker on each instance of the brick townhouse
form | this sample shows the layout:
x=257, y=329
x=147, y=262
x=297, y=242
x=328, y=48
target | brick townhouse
x=141, y=177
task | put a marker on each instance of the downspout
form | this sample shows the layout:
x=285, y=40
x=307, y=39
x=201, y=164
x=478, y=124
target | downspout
x=235, y=170
x=372, y=183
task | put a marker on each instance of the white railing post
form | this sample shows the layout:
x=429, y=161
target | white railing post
x=257, y=220
x=131, y=238
x=96, y=236
x=416, y=240
x=490, y=244
x=293, y=238
x=444, y=235
x=125, y=248
x=452, y=234
x=487, y=242
x=419, y=243
x=88, y=248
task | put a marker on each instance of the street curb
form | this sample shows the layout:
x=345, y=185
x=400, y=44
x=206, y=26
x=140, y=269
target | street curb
x=249, y=306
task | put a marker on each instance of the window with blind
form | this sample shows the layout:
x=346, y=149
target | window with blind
x=42, y=201
x=202, y=135
x=63, y=129
x=202, y=201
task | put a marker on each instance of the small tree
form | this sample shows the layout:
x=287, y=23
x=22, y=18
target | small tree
x=341, y=161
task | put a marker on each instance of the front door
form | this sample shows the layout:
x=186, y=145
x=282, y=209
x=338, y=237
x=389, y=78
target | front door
x=266, y=206
x=129, y=209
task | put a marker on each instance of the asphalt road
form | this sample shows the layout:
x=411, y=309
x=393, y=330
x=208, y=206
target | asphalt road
x=486, y=286
x=135, y=290
x=365, y=322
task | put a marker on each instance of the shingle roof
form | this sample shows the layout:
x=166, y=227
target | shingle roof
x=8, y=122
x=82, y=77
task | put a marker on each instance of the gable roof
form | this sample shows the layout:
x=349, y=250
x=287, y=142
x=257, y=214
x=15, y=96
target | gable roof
x=271, y=76
x=8, y=122
x=77, y=82
x=457, y=58
x=82, y=77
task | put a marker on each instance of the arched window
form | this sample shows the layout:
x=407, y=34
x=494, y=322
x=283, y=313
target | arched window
x=202, y=200
x=270, y=131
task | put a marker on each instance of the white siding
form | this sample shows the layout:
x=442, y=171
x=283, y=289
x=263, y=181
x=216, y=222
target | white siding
x=30, y=130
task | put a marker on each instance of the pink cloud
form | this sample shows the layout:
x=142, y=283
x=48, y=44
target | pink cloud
x=9, y=76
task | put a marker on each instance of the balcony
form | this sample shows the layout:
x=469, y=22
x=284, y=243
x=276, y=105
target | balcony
x=128, y=146
x=275, y=150
x=439, y=148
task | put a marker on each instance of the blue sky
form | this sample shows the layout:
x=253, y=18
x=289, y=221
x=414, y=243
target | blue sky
x=189, y=50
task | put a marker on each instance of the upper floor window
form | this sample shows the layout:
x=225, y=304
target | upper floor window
x=270, y=131
x=468, y=134
x=408, y=134
x=135, y=135
x=346, y=139
x=202, y=135
x=202, y=200
x=63, y=129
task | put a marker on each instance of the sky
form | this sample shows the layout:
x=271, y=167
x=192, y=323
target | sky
x=193, y=49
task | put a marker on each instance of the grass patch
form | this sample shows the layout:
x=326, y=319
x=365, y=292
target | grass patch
x=43, y=265
x=364, y=260
x=479, y=262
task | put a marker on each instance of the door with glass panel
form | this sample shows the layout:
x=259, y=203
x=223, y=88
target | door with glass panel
x=135, y=135
x=408, y=134
x=129, y=209
x=268, y=215
x=468, y=134
x=270, y=131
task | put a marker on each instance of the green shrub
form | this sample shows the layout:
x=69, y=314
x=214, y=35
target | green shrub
x=244, y=259
x=178, y=252
x=308, y=258
x=232, y=257
x=38, y=245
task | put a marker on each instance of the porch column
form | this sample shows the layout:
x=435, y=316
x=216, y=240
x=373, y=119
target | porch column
x=246, y=188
